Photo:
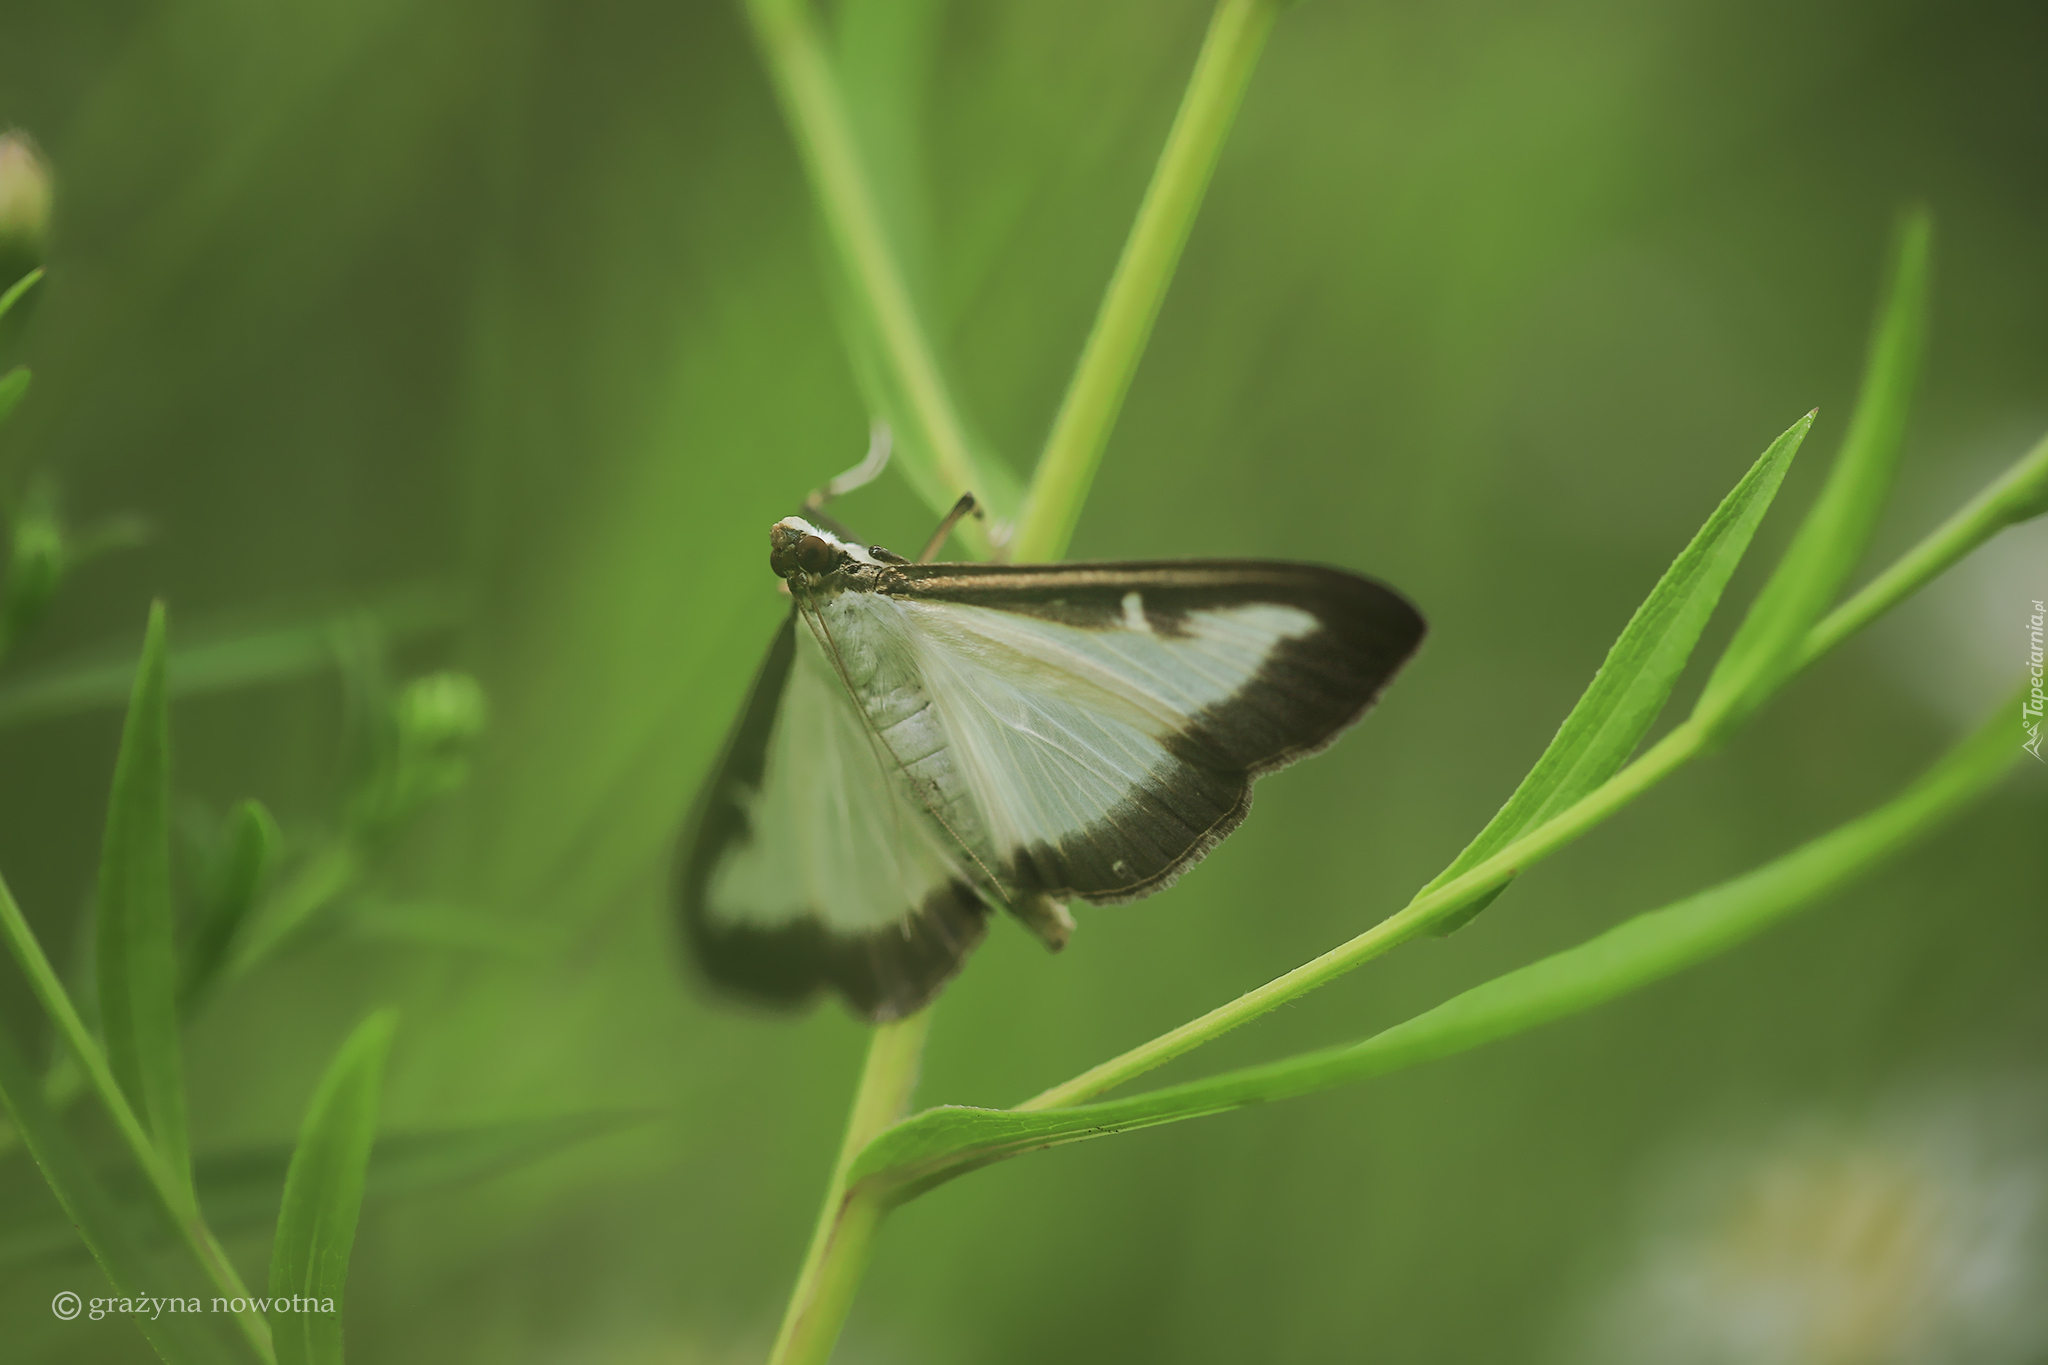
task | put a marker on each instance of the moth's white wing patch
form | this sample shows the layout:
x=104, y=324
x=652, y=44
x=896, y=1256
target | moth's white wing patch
x=835, y=835
x=1062, y=737
x=1155, y=682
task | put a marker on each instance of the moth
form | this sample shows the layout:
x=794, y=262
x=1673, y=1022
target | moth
x=929, y=743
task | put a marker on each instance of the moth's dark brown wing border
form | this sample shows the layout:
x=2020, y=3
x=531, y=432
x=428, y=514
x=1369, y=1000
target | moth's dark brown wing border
x=885, y=974
x=1306, y=694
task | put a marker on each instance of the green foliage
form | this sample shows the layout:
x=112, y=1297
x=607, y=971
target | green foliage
x=251, y=847
x=35, y=549
x=939, y=1144
x=1480, y=302
x=1578, y=782
x=942, y=461
x=1628, y=693
x=222, y=659
x=13, y=388
x=136, y=952
x=1832, y=539
x=242, y=1190
x=412, y=748
x=93, y=1216
x=13, y=295
x=421, y=749
x=323, y=1195
x=1130, y=303
x=42, y=554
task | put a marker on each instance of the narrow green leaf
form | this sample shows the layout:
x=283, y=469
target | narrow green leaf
x=172, y=1190
x=939, y=1144
x=13, y=388
x=252, y=846
x=807, y=82
x=137, y=959
x=17, y=289
x=323, y=1194
x=230, y=659
x=1832, y=539
x=241, y=1189
x=111, y=1234
x=1635, y=681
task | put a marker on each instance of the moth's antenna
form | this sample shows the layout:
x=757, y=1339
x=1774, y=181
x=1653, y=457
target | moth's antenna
x=880, y=444
x=946, y=525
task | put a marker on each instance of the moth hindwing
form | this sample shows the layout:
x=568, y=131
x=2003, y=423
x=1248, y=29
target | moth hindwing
x=926, y=743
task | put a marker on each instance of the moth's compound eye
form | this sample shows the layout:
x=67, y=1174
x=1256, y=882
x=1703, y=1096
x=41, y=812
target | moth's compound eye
x=815, y=554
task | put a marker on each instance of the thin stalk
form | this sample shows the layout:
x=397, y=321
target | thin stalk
x=2017, y=495
x=845, y=1231
x=1237, y=34
x=176, y=1195
x=815, y=107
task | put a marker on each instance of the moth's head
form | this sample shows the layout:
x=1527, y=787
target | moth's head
x=797, y=547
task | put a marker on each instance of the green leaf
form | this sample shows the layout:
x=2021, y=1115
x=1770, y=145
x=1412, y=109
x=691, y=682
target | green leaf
x=939, y=1144
x=323, y=1194
x=1634, y=682
x=942, y=460
x=90, y=1214
x=17, y=289
x=253, y=843
x=138, y=967
x=172, y=1190
x=1832, y=539
x=231, y=659
x=241, y=1190
x=13, y=388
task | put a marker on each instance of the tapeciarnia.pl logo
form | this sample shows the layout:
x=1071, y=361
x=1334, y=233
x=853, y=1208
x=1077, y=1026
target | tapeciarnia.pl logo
x=2031, y=708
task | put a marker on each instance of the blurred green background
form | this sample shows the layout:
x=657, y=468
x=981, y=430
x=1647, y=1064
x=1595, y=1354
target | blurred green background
x=526, y=301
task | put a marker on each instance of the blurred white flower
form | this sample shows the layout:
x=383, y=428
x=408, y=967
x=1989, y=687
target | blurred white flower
x=1921, y=1238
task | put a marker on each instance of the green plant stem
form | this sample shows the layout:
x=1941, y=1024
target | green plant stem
x=1237, y=34
x=846, y=1226
x=177, y=1195
x=815, y=106
x=2020, y=493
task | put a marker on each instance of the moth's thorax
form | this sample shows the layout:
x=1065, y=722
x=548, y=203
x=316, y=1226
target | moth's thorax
x=813, y=560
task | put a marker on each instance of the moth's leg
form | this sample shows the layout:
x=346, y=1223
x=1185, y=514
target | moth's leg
x=946, y=525
x=1045, y=917
x=880, y=443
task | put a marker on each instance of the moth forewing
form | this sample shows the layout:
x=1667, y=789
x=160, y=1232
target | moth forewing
x=940, y=739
